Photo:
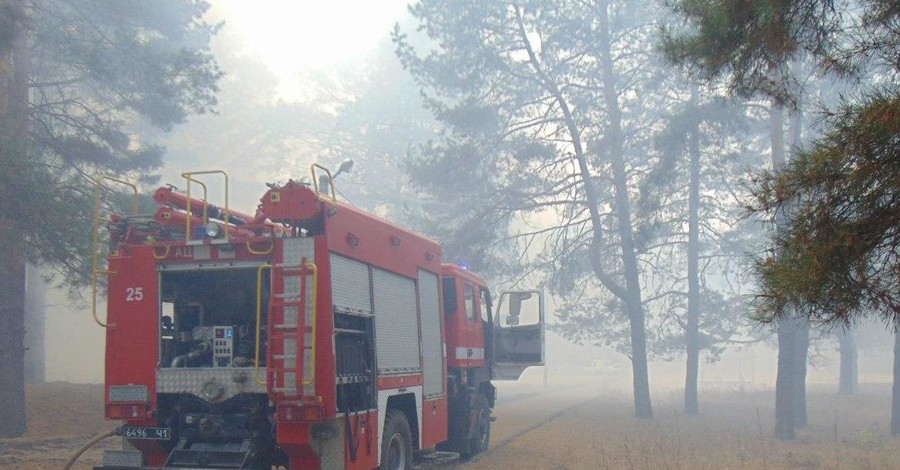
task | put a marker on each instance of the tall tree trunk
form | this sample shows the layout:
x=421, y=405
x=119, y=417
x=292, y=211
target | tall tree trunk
x=801, y=417
x=634, y=308
x=895, y=398
x=801, y=353
x=643, y=407
x=630, y=294
x=848, y=383
x=692, y=329
x=35, y=301
x=12, y=334
x=13, y=127
x=784, y=381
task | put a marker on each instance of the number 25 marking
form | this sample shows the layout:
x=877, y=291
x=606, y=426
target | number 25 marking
x=134, y=294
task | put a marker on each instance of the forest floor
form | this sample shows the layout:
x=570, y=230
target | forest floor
x=579, y=424
x=61, y=418
x=591, y=428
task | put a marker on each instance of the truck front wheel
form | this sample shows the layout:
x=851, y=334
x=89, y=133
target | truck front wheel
x=396, y=444
x=481, y=435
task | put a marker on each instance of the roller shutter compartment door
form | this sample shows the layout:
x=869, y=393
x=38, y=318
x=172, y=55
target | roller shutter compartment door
x=432, y=349
x=350, y=288
x=396, y=325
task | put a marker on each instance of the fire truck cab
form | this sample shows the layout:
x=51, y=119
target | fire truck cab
x=309, y=335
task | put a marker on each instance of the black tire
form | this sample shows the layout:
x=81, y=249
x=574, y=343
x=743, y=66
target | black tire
x=481, y=435
x=396, y=443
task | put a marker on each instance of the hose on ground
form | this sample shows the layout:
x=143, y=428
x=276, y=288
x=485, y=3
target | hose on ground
x=91, y=443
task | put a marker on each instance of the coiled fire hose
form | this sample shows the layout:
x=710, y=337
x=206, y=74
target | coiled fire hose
x=91, y=443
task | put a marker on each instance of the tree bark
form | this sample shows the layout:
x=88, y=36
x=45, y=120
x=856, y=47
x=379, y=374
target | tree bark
x=35, y=301
x=895, y=398
x=849, y=378
x=802, y=326
x=692, y=329
x=801, y=353
x=13, y=128
x=784, y=381
x=12, y=334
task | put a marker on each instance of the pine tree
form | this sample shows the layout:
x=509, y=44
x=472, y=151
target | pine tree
x=82, y=77
x=832, y=254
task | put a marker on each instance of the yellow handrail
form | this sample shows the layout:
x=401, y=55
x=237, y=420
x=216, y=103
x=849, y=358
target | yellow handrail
x=315, y=277
x=189, y=209
x=312, y=170
x=165, y=253
x=187, y=176
x=95, y=244
x=253, y=251
x=259, y=279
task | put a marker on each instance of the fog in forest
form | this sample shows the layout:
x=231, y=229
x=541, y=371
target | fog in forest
x=290, y=62
x=576, y=147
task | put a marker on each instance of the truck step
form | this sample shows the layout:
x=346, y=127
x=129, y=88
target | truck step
x=220, y=455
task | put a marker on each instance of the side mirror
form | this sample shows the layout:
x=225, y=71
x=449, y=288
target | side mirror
x=515, y=303
x=522, y=308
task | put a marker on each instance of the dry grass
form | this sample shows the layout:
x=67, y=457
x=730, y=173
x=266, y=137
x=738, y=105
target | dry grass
x=65, y=409
x=585, y=427
x=734, y=431
x=61, y=418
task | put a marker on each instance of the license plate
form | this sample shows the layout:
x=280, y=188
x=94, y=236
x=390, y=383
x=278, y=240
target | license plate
x=140, y=432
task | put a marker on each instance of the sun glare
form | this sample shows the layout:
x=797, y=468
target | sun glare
x=291, y=36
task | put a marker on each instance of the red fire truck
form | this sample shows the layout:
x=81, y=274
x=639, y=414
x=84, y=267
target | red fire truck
x=308, y=335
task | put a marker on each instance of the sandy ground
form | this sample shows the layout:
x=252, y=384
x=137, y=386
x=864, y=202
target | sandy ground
x=581, y=424
x=62, y=417
x=593, y=427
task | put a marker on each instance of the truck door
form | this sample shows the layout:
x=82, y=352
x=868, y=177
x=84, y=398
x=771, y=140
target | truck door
x=474, y=330
x=518, y=333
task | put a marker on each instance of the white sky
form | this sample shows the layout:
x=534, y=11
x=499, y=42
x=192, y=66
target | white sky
x=294, y=36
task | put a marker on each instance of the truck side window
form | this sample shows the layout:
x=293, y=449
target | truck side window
x=449, y=295
x=485, y=298
x=470, y=303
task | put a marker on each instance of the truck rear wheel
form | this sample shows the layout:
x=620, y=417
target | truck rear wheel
x=481, y=435
x=396, y=444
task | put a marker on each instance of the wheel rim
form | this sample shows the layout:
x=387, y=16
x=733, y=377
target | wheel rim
x=396, y=453
x=482, y=436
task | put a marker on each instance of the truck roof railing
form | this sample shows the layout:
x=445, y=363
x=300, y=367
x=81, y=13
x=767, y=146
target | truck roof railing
x=188, y=176
x=95, y=243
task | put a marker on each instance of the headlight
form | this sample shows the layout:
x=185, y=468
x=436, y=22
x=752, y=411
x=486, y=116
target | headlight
x=212, y=229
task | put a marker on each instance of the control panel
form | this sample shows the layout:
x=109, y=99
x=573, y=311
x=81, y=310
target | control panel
x=223, y=346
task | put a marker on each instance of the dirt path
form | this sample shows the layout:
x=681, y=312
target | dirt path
x=520, y=410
